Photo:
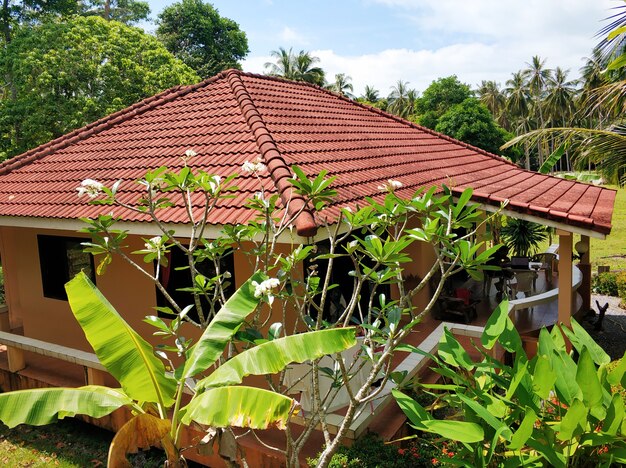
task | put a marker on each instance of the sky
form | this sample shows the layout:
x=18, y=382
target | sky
x=378, y=42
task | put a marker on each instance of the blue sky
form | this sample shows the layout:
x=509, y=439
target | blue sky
x=378, y=42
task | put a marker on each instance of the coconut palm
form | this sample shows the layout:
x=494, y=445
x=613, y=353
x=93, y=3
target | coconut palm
x=560, y=98
x=492, y=96
x=298, y=67
x=342, y=85
x=402, y=100
x=604, y=146
x=370, y=94
x=517, y=96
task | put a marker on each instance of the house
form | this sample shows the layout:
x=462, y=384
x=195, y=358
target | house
x=227, y=120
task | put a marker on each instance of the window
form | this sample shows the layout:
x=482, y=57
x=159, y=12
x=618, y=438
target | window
x=60, y=259
x=176, y=276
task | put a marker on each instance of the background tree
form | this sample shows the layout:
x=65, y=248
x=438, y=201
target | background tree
x=342, y=85
x=471, y=122
x=196, y=34
x=439, y=97
x=124, y=11
x=493, y=98
x=23, y=13
x=402, y=100
x=297, y=67
x=68, y=74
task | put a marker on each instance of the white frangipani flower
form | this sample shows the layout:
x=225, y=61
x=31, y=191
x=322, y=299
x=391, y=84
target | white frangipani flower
x=264, y=288
x=254, y=167
x=190, y=153
x=390, y=186
x=214, y=183
x=154, y=244
x=91, y=187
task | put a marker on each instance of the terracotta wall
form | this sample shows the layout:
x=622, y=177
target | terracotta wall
x=130, y=292
x=51, y=319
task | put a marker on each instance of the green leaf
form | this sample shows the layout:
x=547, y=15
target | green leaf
x=616, y=375
x=581, y=339
x=587, y=378
x=127, y=356
x=544, y=377
x=46, y=405
x=273, y=356
x=224, y=325
x=486, y=416
x=524, y=431
x=566, y=386
x=451, y=352
x=556, y=460
x=240, y=407
x=614, y=415
x=619, y=62
x=616, y=32
x=413, y=410
x=495, y=325
x=574, y=421
x=461, y=431
x=554, y=158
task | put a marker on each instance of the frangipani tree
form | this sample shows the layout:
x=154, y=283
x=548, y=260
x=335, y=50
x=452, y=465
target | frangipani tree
x=300, y=284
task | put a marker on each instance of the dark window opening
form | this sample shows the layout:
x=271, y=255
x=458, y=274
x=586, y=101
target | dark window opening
x=176, y=276
x=339, y=297
x=60, y=259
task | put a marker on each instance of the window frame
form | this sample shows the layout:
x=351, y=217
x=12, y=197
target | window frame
x=54, y=263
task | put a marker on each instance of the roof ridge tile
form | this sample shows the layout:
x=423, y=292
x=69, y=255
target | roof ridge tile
x=277, y=167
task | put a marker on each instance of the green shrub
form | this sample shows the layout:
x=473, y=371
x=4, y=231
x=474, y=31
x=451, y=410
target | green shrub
x=605, y=283
x=621, y=288
x=558, y=408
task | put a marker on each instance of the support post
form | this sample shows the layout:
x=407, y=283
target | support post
x=585, y=268
x=15, y=356
x=95, y=376
x=481, y=233
x=565, y=277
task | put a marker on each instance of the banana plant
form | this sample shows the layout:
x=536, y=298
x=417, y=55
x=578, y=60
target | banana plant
x=557, y=409
x=154, y=395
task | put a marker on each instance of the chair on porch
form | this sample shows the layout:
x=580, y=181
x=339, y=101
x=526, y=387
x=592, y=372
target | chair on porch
x=459, y=307
x=524, y=283
x=547, y=261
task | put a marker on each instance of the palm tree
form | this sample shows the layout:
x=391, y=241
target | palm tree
x=603, y=146
x=491, y=96
x=283, y=65
x=517, y=96
x=560, y=98
x=402, y=100
x=370, y=94
x=305, y=70
x=298, y=67
x=342, y=85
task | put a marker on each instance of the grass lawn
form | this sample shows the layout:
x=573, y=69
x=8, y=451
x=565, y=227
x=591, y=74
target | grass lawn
x=612, y=251
x=69, y=443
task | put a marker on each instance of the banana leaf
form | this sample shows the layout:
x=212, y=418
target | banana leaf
x=47, y=405
x=222, y=328
x=140, y=432
x=127, y=356
x=239, y=406
x=274, y=356
x=554, y=158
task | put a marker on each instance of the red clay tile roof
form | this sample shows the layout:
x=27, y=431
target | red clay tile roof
x=234, y=117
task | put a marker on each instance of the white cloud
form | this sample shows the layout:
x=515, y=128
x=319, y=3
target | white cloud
x=291, y=36
x=476, y=40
